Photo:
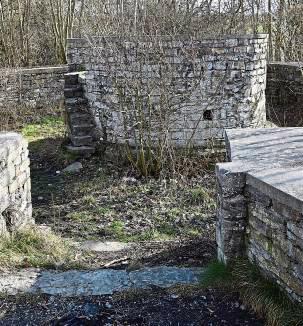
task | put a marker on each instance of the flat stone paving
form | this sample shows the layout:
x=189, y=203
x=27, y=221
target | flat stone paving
x=273, y=160
x=276, y=147
x=108, y=246
x=98, y=282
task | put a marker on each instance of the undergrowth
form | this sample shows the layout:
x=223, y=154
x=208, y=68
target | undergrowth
x=262, y=295
x=48, y=127
x=14, y=118
x=34, y=247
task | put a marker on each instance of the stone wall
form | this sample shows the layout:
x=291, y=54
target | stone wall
x=260, y=203
x=15, y=188
x=284, y=93
x=192, y=88
x=37, y=87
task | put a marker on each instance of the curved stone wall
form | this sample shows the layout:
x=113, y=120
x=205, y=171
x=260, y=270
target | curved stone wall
x=208, y=84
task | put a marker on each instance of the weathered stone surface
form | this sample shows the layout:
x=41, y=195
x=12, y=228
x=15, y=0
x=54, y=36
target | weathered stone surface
x=35, y=87
x=271, y=179
x=98, y=282
x=15, y=196
x=73, y=168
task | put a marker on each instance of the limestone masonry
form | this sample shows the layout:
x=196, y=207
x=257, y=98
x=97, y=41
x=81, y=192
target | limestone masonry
x=205, y=85
x=284, y=93
x=260, y=203
x=15, y=186
x=35, y=87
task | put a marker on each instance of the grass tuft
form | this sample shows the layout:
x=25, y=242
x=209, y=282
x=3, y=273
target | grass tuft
x=33, y=247
x=216, y=274
x=262, y=295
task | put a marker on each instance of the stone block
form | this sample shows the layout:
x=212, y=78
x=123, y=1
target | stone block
x=15, y=197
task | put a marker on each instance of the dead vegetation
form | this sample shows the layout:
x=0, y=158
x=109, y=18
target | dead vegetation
x=263, y=295
x=35, y=247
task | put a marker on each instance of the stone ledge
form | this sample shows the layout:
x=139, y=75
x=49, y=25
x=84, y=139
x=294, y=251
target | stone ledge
x=282, y=184
x=163, y=38
x=258, y=148
x=10, y=141
x=35, y=70
x=286, y=64
x=255, y=150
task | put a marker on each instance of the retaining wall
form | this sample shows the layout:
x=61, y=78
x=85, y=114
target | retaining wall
x=284, y=93
x=36, y=87
x=15, y=187
x=189, y=87
x=260, y=203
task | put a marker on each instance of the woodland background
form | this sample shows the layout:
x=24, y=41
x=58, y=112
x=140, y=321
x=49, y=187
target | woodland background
x=34, y=32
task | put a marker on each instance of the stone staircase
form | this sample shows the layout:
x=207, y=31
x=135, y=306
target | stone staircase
x=79, y=119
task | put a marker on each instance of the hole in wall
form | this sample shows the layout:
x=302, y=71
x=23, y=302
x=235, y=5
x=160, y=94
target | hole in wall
x=208, y=115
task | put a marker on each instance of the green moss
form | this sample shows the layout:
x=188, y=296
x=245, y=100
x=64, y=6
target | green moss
x=216, y=274
x=48, y=127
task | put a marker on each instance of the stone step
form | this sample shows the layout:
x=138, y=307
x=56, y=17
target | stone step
x=77, y=109
x=81, y=140
x=71, y=79
x=81, y=129
x=71, y=102
x=80, y=118
x=73, y=92
x=81, y=150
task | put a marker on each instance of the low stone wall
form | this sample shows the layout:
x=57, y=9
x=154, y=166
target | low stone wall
x=36, y=87
x=15, y=188
x=260, y=203
x=284, y=94
x=205, y=85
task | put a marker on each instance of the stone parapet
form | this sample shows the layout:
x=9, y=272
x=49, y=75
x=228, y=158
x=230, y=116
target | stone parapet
x=15, y=185
x=38, y=87
x=260, y=211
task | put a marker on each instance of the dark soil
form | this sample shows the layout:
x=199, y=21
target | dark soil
x=179, y=306
x=196, y=252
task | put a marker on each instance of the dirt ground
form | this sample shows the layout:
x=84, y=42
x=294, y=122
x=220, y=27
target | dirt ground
x=178, y=306
x=166, y=221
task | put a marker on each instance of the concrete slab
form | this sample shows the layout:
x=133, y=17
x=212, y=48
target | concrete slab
x=266, y=146
x=273, y=160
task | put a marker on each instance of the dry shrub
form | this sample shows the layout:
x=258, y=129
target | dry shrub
x=15, y=117
x=35, y=247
